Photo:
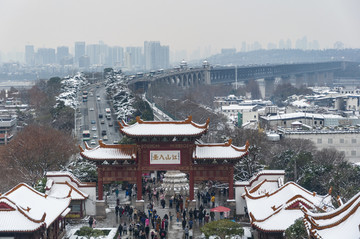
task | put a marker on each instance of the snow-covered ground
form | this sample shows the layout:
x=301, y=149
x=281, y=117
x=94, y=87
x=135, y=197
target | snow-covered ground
x=70, y=86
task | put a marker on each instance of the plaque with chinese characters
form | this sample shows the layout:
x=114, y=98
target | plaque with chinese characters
x=165, y=157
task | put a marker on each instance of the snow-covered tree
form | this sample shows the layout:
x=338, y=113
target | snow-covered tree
x=249, y=165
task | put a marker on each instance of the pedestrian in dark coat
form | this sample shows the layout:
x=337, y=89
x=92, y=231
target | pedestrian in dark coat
x=120, y=229
x=183, y=224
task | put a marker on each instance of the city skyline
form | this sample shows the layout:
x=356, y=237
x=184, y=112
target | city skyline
x=184, y=25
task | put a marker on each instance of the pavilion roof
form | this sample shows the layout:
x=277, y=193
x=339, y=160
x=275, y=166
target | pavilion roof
x=220, y=151
x=65, y=189
x=342, y=222
x=66, y=177
x=276, y=211
x=109, y=152
x=23, y=209
x=186, y=128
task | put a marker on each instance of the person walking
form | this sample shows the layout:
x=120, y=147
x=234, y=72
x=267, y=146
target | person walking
x=186, y=232
x=178, y=216
x=125, y=229
x=213, y=201
x=120, y=229
x=116, y=211
x=91, y=220
x=183, y=224
x=191, y=234
x=117, y=192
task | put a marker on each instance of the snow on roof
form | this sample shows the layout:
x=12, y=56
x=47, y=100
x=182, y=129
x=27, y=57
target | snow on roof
x=217, y=151
x=256, y=176
x=109, y=152
x=300, y=103
x=342, y=222
x=237, y=107
x=278, y=210
x=164, y=128
x=301, y=115
x=63, y=190
x=23, y=209
x=51, y=175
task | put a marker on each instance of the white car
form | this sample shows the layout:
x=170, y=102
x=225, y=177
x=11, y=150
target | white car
x=93, y=128
x=95, y=136
x=91, y=109
x=92, y=142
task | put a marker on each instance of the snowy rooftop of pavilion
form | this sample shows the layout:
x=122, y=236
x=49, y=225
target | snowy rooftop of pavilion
x=67, y=177
x=64, y=189
x=109, y=152
x=23, y=209
x=164, y=128
x=343, y=222
x=128, y=152
x=217, y=151
x=276, y=211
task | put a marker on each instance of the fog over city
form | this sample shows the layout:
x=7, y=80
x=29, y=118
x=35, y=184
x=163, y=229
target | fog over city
x=183, y=25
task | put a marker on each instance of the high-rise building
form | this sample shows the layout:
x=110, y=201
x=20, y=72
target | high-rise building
x=84, y=62
x=156, y=56
x=93, y=51
x=62, y=55
x=115, y=56
x=29, y=55
x=45, y=56
x=79, y=51
x=134, y=59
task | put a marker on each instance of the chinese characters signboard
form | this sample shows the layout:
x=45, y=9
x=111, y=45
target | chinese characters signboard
x=165, y=157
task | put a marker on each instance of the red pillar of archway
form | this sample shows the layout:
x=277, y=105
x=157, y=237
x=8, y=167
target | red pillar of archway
x=191, y=185
x=100, y=184
x=139, y=184
x=231, y=183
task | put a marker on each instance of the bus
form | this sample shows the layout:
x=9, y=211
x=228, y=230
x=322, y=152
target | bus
x=86, y=135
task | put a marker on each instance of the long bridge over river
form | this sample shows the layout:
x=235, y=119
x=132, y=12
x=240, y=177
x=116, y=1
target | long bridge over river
x=311, y=74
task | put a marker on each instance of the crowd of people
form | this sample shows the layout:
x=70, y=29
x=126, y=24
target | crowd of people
x=138, y=224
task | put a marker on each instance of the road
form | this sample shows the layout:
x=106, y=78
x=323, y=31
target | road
x=88, y=116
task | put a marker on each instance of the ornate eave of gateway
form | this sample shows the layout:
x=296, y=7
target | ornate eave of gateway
x=169, y=145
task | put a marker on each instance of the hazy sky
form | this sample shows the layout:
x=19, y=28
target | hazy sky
x=182, y=24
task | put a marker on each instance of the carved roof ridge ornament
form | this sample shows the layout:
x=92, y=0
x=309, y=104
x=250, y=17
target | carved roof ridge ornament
x=226, y=144
x=87, y=146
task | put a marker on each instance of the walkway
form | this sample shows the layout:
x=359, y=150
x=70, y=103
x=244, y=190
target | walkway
x=175, y=228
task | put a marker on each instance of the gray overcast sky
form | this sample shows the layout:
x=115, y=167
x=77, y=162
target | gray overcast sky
x=182, y=24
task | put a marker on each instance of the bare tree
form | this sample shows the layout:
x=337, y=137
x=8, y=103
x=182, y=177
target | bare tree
x=34, y=151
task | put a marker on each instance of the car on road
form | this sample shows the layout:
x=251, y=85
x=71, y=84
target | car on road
x=102, y=121
x=93, y=128
x=95, y=136
x=93, y=122
x=91, y=109
x=103, y=132
x=92, y=142
x=98, y=98
x=110, y=124
x=116, y=142
x=100, y=116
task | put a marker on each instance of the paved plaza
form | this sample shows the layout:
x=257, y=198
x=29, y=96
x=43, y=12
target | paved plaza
x=175, y=227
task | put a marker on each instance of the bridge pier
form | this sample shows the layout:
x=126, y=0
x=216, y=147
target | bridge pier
x=269, y=87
